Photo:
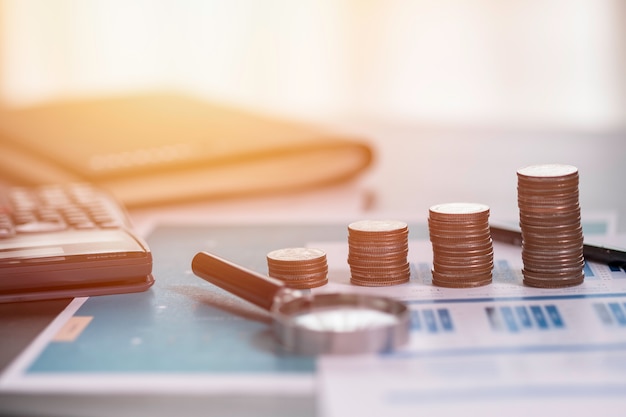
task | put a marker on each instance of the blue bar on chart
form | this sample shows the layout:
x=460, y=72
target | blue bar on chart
x=523, y=317
x=445, y=319
x=515, y=319
x=432, y=320
x=603, y=313
x=429, y=320
x=494, y=318
x=555, y=317
x=509, y=319
x=618, y=313
x=503, y=272
x=416, y=322
x=424, y=271
x=618, y=268
x=539, y=317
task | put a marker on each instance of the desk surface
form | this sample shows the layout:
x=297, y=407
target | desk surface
x=201, y=348
x=414, y=169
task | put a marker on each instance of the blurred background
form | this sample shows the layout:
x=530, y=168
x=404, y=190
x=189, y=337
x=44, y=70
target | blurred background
x=555, y=63
x=468, y=67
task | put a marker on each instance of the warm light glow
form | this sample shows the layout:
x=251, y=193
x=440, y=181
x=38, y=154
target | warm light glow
x=550, y=63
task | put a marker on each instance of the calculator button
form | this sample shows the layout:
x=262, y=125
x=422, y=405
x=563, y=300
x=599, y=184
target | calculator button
x=77, y=219
x=50, y=216
x=40, y=227
x=24, y=217
x=84, y=225
x=73, y=217
x=110, y=224
x=6, y=232
x=56, y=208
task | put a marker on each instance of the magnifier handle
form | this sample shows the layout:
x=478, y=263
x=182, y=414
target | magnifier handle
x=249, y=285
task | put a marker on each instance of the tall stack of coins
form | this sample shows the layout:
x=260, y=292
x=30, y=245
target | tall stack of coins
x=378, y=252
x=552, y=236
x=298, y=268
x=462, y=246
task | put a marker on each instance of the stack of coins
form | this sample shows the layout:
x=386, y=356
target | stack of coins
x=378, y=252
x=298, y=268
x=552, y=236
x=462, y=246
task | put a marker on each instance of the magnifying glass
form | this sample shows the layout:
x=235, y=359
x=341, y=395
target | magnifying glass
x=311, y=324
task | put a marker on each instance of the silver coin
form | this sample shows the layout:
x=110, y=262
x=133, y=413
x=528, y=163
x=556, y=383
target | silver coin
x=377, y=226
x=295, y=254
x=549, y=171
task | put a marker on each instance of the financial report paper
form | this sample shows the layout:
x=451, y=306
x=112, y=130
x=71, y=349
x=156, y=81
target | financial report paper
x=504, y=346
x=501, y=348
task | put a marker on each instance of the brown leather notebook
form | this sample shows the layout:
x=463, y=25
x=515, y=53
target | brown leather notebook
x=166, y=147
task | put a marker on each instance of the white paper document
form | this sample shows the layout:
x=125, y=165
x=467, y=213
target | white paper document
x=501, y=349
x=504, y=348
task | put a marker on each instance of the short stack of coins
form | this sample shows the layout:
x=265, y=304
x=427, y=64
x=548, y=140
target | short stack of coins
x=552, y=236
x=298, y=268
x=462, y=245
x=378, y=251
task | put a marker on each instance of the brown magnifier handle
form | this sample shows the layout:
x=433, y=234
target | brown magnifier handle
x=249, y=285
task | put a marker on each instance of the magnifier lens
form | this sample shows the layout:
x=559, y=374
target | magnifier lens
x=344, y=319
x=313, y=324
x=342, y=323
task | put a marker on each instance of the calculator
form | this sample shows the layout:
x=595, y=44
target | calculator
x=63, y=241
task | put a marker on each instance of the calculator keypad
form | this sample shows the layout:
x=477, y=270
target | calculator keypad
x=56, y=208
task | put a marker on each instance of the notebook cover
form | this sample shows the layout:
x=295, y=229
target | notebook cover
x=160, y=147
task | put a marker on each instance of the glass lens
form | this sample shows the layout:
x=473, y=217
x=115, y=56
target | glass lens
x=344, y=319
